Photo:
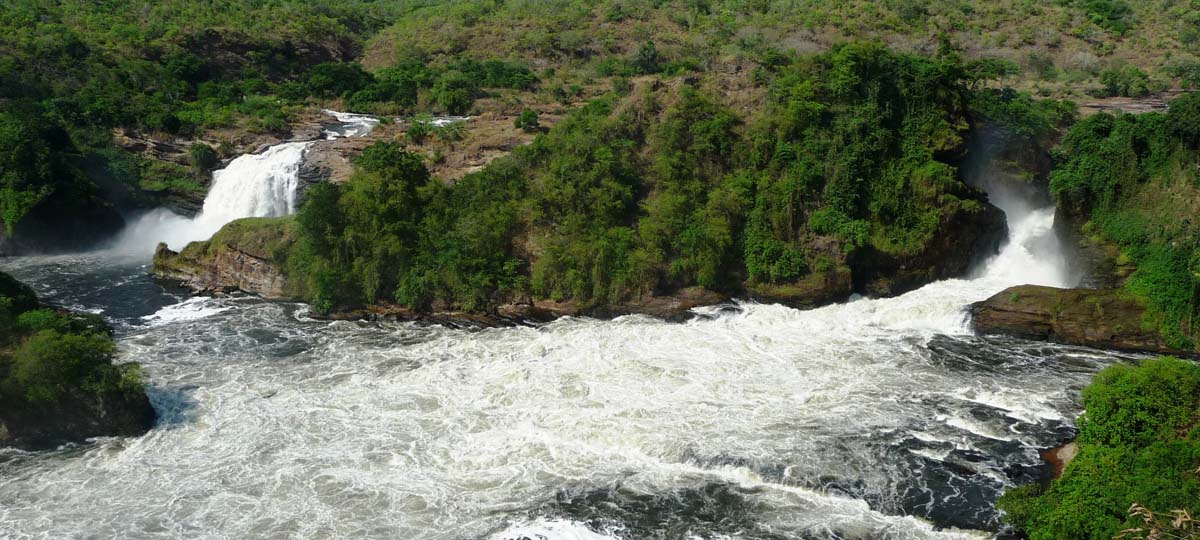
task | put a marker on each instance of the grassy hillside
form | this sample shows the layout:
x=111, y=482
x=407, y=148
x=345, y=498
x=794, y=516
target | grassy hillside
x=1065, y=47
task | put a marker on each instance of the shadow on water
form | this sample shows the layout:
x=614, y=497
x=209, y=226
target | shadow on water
x=174, y=406
x=715, y=510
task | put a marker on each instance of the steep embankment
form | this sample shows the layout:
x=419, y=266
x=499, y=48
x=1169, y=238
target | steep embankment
x=1129, y=187
x=246, y=255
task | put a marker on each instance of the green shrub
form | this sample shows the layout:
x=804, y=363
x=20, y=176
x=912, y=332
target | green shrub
x=455, y=92
x=336, y=79
x=418, y=130
x=646, y=60
x=42, y=319
x=51, y=363
x=1138, y=443
x=450, y=131
x=527, y=121
x=1125, y=81
x=203, y=157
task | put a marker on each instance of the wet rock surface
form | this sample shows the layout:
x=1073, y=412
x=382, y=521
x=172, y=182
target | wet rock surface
x=1103, y=318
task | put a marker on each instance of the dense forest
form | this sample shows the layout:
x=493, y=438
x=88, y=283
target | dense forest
x=642, y=192
x=78, y=77
x=1132, y=179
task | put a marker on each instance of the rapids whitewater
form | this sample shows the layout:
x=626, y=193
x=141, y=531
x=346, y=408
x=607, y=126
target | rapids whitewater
x=873, y=419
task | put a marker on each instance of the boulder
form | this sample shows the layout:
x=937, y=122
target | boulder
x=244, y=256
x=1102, y=318
x=76, y=418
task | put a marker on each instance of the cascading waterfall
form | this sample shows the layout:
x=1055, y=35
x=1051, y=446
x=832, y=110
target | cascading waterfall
x=252, y=185
x=864, y=420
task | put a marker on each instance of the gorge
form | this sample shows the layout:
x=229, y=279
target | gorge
x=750, y=420
x=600, y=270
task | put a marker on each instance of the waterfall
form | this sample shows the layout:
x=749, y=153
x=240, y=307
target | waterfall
x=252, y=185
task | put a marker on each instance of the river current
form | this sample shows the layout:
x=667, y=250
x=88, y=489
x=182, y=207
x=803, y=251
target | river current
x=873, y=419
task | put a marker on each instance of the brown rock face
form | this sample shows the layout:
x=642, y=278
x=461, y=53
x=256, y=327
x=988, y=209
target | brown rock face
x=963, y=237
x=246, y=255
x=228, y=269
x=1100, y=318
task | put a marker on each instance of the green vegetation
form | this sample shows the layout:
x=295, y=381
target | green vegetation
x=1139, y=443
x=1134, y=179
x=49, y=356
x=72, y=71
x=527, y=121
x=1063, y=45
x=654, y=191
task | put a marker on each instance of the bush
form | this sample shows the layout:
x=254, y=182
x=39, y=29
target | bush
x=51, y=364
x=646, y=60
x=49, y=355
x=455, y=92
x=1126, y=81
x=203, y=157
x=336, y=79
x=1138, y=444
x=418, y=130
x=527, y=121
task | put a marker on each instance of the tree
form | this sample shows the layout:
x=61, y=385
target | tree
x=527, y=121
x=455, y=92
x=646, y=60
x=336, y=79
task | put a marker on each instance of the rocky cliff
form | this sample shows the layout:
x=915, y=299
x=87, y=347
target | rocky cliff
x=246, y=255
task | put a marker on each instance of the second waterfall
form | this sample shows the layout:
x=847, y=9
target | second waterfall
x=252, y=185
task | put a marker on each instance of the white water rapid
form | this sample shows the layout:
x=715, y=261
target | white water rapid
x=873, y=419
x=252, y=185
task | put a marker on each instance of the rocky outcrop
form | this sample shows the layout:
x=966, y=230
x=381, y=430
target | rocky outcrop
x=75, y=418
x=328, y=161
x=1058, y=458
x=42, y=402
x=817, y=289
x=963, y=237
x=244, y=256
x=1102, y=318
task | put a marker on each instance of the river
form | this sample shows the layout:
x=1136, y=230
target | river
x=873, y=419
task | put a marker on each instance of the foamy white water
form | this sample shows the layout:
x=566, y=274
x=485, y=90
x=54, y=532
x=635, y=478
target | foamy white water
x=352, y=125
x=252, y=185
x=861, y=420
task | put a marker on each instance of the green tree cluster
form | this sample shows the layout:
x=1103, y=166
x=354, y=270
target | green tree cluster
x=72, y=71
x=654, y=191
x=50, y=356
x=1139, y=442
